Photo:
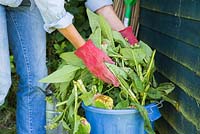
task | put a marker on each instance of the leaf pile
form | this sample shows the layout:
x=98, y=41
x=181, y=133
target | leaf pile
x=134, y=67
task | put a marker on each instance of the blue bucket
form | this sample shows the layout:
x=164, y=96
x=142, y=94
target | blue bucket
x=127, y=121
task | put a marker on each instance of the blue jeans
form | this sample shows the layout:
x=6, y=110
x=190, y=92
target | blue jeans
x=22, y=29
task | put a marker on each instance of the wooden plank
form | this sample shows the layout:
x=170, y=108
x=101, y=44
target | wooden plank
x=183, y=8
x=188, y=106
x=177, y=121
x=163, y=127
x=179, y=51
x=180, y=75
x=178, y=28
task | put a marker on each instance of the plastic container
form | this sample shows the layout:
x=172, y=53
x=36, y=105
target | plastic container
x=104, y=121
x=128, y=121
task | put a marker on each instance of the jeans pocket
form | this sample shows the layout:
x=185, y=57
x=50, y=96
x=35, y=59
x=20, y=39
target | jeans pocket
x=11, y=3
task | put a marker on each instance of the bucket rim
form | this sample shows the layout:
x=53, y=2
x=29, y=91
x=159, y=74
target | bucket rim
x=118, y=111
x=109, y=111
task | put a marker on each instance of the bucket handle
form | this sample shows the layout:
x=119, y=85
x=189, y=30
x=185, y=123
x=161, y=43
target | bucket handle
x=158, y=104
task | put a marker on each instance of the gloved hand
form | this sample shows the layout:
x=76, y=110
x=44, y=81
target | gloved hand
x=94, y=60
x=127, y=33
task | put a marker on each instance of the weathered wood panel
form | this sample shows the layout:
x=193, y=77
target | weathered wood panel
x=173, y=28
x=188, y=9
x=163, y=127
x=178, y=28
x=177, y=121
x=189, y=81
x=188, y=107
x=175, y=49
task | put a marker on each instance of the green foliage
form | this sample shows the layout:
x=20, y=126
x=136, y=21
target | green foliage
x=134, y=68
x=64, y=74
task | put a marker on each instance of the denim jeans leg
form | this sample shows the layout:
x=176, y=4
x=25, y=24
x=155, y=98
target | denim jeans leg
x=28, y=43
x=5, y=74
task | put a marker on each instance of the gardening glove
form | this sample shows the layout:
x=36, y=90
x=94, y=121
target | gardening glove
x=127, y=33
x=94, y=60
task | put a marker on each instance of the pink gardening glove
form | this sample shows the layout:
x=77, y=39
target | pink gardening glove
x=94, y=60
x=127, y=33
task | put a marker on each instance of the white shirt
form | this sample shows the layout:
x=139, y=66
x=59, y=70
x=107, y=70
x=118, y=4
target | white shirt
x=53, y=12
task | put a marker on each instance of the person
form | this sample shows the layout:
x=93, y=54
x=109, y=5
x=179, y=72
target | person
x=23, y=23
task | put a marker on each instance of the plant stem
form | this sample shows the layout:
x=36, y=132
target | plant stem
x=150, y=66
x=108, y=90
x=138, y=67
x=145, y=94
x=128, y=90
x=75, y=107
x=81, y=86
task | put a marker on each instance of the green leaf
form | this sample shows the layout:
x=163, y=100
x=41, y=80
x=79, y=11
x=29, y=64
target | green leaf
x=166, y=87
x=56, y=46
x=117, y=71
x=106, y=30
x=148, y=51
x=171, y=101
x=144, y=114
x=77, y=124
x=69, y=101
x=119, y=39
x=57, y=118
x=93, y=20
x=99, y=105
x=87, y=98
x=127, y=53
x=65, y=74
x=150, y=69
x=72, y=59
x=125, y=86
x=63, y=90
x=154, y=93
x=65, y=126
x=86, y=76
x=96, y=37
x=136, y=80
x=122, y=104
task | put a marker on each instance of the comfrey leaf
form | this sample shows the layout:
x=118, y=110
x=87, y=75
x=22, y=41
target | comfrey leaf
x=66, y=73
x=144, y=114
x=147, y=50
x=117, y=71
x=106, y=30
x=154, y=93
x=93, y=20
x=131, y=53
x=119, y=39
x=135, y=78
x=122, y=104
x=166, y=87
x=65, y=125
x=71, y=59
x=87, y=98
x=96, y=37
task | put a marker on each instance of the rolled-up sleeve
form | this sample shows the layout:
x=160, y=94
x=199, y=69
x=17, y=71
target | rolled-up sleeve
x=54, y=14
x=94, y=5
